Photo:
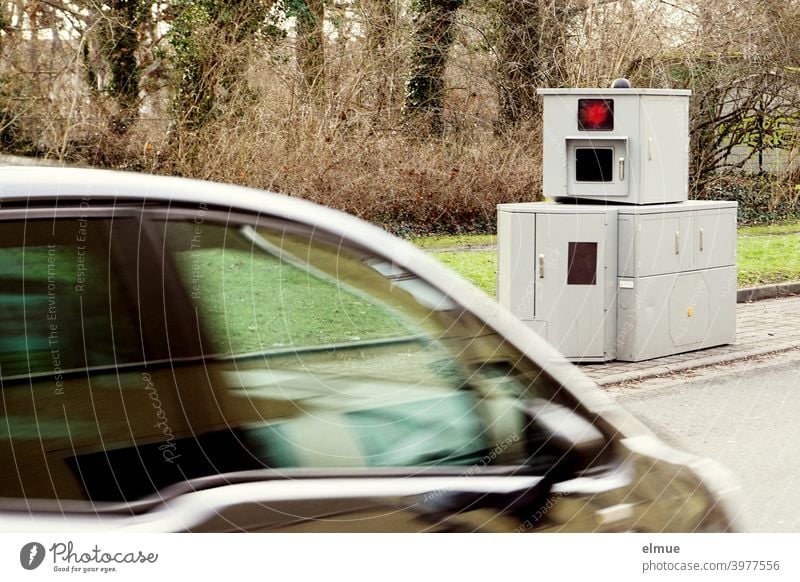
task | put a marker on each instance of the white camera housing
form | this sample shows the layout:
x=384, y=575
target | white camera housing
x=619, y=146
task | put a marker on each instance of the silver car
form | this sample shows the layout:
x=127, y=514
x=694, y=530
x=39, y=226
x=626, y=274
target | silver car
x=178, y=355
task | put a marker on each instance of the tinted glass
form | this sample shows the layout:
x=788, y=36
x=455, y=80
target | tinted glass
x=582, y=263
x=252, y=301
x=594, y=164
x=59, y=309
x=333, y=358
x=67, y=324
x=288, y=350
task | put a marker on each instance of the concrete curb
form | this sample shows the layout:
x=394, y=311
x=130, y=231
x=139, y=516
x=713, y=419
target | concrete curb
x=692, y=364
x=767, y=292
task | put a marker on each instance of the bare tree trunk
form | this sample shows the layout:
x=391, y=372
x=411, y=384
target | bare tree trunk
x=531, y=53
x=380, y=21
x=119, y=44
x=311, y=47
x=519, y=59
x=7, y=124
x=210, y=40
x=433, y=37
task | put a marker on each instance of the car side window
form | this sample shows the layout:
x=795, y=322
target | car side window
x=331, y=357
x=67, y=325
x=255, y=301
x=59, y=308
x=214, y=348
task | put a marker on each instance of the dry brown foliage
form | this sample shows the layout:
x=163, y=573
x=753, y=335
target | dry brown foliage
x=352, y=148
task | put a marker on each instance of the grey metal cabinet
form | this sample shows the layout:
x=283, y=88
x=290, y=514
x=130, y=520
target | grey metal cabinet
x=516, y=251
x=676, y=312
x=557, y=272
x=621, y=282
x=652, y=243
x=628, y=269
x=572, y=281
x=660, y=239
x=715, y=237
x=640, y=156
x=664, y=147
x=677, y=278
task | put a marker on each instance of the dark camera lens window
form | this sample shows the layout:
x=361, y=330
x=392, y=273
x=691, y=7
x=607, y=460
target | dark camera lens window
x=594, y=164
x=595, y=114
x=582, y=266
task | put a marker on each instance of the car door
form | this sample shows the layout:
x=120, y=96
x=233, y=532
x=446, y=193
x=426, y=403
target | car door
x=370, y=400
x=202, y=369
x=97, y=397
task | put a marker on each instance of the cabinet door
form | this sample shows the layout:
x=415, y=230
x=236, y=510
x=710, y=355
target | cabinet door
x=598, y=167
x=689, y=311
x=715, y=238
x=515, y=276
x=663, y=244
x=664, y=149
x=570, y=275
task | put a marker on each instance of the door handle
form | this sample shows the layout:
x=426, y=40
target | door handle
x=541, y=266
x=677, y=242
x=701, y=240
x=622, y=168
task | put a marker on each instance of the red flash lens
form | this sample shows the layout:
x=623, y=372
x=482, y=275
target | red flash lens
x=595, y=114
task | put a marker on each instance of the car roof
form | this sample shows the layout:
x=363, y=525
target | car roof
x=35, y=184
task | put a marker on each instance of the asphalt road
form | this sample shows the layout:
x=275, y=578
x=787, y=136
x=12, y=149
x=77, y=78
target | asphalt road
x=746, y=415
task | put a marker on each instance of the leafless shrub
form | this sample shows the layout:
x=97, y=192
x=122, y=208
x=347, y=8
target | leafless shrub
x=344, y=141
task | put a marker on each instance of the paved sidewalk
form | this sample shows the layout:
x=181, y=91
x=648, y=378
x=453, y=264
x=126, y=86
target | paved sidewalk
x=762, y=327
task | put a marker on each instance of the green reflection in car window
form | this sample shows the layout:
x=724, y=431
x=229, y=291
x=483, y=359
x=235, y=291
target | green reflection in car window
x=252, y=301
x=58, y=308
x=329, y=356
